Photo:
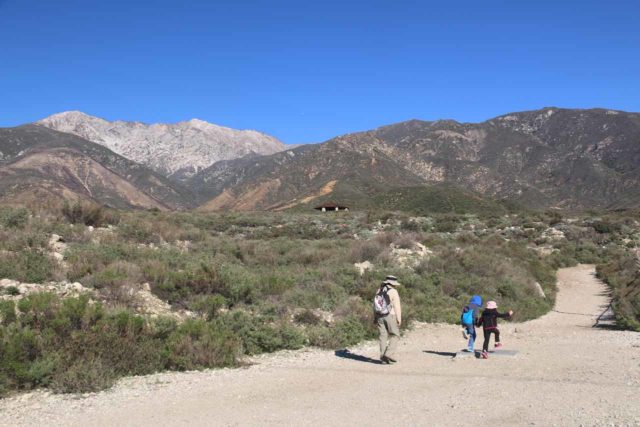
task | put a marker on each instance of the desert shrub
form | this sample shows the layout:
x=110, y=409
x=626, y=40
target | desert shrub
x=7, y=312
x=307, y=317
x=406, y=241
x=344, y=333
x=88, y=214
x=309, y=256
x=365, y=250
x=410, y=225
x=258, y=336
x=505, y=271
x=29, y=238
x=73, y=345
x=552, y=217
x=276, y=282
x=139, y=230
x=84, y=376
x=316, y=294
x=385, y=238
x=606, y=226
x=447, y=224
x=621, y=274
x=27, y=265
x=14, y=217
x=115, y=282
x=197, y=344
x=12, y=290
x=84, y=260
x=208, y=306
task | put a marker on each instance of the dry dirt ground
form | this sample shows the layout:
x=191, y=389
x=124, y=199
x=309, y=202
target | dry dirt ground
x=565, y=372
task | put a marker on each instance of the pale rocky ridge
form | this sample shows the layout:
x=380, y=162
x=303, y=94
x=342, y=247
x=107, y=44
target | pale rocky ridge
x=175, y=150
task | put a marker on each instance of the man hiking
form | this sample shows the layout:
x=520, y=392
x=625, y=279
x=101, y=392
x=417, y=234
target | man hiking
x=388, y=316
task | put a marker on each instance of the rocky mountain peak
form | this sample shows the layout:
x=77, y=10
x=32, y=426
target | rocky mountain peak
x=175, y=150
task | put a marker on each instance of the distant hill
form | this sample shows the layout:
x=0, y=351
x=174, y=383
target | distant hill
x=438, y=198
x=175, y=150
x=38, y=164
x=552, y=157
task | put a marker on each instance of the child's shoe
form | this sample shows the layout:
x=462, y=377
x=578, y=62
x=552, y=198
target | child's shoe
x=484, y=354
x=498, y=344
x=464, y=334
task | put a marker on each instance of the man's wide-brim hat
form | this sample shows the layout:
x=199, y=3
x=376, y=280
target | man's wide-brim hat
x=391, y=280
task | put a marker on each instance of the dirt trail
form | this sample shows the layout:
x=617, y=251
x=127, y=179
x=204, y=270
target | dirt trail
x=565, y=373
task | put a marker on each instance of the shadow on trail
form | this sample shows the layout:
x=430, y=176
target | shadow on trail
x=346, y=354
x=440, y=353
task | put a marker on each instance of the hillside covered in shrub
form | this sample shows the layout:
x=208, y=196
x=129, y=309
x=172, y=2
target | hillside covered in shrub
x=181, y=291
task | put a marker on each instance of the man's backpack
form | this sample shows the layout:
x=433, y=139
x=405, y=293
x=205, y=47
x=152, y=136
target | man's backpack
x=467, y=316
x=381, y=301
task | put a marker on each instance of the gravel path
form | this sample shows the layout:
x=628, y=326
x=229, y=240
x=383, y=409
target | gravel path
x=564, y=373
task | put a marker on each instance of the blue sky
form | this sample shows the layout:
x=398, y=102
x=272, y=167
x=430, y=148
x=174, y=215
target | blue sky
x=307, y=71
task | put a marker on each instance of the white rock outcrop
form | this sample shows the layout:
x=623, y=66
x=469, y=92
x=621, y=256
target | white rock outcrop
x=363, y=266
x=410, y=258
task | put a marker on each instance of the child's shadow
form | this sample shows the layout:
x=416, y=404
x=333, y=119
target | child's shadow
x=440, y=353
x=475, y=354
x=346, y=354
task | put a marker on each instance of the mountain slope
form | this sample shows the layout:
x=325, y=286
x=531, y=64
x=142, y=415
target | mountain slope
x=304, y=175
x=38, y=163
x=175, y=150
x=545, y=158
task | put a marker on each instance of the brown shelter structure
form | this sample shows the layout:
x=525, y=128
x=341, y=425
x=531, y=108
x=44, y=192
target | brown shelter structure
x=332, y=207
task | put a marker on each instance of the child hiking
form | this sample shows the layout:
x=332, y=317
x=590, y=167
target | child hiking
x=468, y=319
x=489, y=323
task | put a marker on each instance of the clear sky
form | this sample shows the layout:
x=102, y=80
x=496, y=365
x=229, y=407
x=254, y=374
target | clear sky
x=305, y=71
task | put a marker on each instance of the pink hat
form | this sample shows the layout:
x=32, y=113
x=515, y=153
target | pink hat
x=492, y=304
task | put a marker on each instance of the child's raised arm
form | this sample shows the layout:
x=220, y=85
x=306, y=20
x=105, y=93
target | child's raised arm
x=505, y=315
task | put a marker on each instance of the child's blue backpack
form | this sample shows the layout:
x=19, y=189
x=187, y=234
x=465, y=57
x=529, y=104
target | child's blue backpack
x=467, y=316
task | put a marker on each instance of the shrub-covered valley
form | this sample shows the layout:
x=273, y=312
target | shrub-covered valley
x=88, y=294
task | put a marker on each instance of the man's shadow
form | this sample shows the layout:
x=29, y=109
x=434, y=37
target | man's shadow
x=346, y=354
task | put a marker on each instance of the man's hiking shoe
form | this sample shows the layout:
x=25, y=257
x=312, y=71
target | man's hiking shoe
x=390, y=360
x=464, y=334
x=498, y=345
x=384, y=360
x=484, y=354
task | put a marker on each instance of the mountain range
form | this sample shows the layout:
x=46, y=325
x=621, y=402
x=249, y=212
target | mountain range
x=552, y=157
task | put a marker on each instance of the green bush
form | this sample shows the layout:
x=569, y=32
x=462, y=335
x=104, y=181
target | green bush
x=27, y=265
x=307, y=317
x=258, y=336
x=74, y=345
x=209, y=305
x=14, y=217
x=344, y=333
x=197, y=344
x=604, y=226
x=621, y=274
x=88, y=214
